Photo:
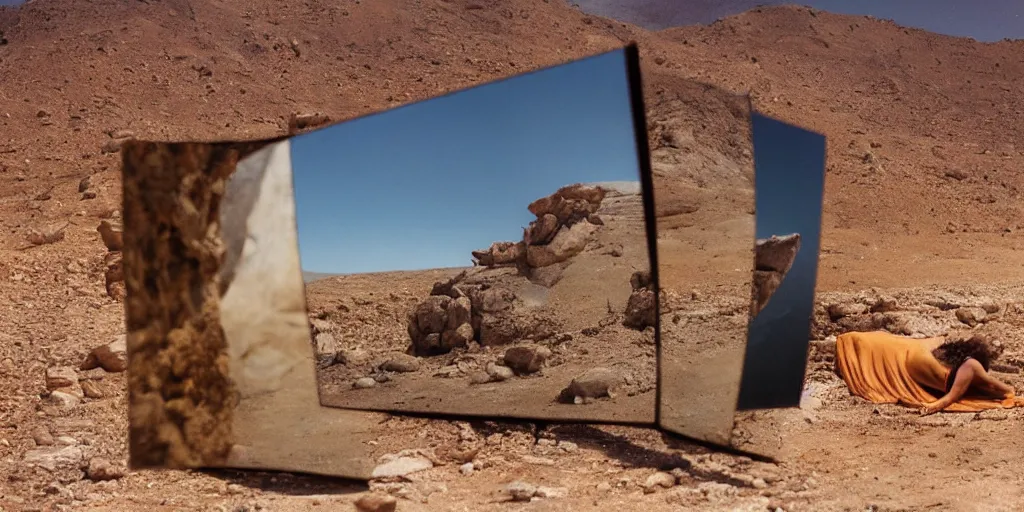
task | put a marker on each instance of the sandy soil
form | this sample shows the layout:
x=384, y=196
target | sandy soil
x=904, y=110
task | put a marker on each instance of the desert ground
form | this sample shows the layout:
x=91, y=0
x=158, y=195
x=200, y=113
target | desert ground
x=921, y=235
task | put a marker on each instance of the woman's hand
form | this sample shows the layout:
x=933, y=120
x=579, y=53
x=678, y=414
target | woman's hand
x=931, y=408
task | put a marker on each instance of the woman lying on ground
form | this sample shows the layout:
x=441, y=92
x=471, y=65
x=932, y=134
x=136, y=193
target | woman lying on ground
x=967, y=363
x=934, y=374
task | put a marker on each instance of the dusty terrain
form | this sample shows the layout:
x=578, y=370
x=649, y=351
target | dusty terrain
x=923, y=191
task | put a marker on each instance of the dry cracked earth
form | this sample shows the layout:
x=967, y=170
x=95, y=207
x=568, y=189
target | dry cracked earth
x=904, y=110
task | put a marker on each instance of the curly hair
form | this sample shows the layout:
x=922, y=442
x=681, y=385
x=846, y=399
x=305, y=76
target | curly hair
x=955, y=352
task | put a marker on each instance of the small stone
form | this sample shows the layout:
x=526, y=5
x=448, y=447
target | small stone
x=100, y=470
x=112, y=357
x=67, y=440
x=659, y=479
x=604, y=487
x=568, y=446
x=521, y=491
x=352, y=357
x=54, y=458
x=528, y=358
x=971, y=316
x=479, y=378
x=401, y=466
x=376, y=503
x=60, y=377
x=593, y=383
x=499, y=373
x=466, y=469
x=64, y=400
x=91, y=389
x=364, y=383
x=326, y=350
x=402, y=363
x=42, y=436
x=552, y=492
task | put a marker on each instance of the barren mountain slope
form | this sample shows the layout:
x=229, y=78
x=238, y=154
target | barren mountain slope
x=922, y=188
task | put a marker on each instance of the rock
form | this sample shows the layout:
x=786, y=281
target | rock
x=42, y=436
x=542, y=230
x=837, y=311
x=402, y=466
x=526, y=359
x=60, y=377
x=466, y=469
x=568, y=242
x=521, y=491
x=773, y=258
x=500, y=253
x=100, y=470
x=440, y=323
x=326, y=348
x=112, y=238
x=477, y=378
x=364, y=383
x=352, y=357
x=112, y=357
x=641, y=310
x=568, y=446
x=401, y=363
x=547, y=276
x=55, y=458
x=660, y=479
x=91, y=389
x=319, y=325
x=301, y=122
x=498, y=373
x=552, y=492
x=604, y=487
x=971, y=316
x=111, y=146
x=64, y=400
x=592, y=384
x=376, y=503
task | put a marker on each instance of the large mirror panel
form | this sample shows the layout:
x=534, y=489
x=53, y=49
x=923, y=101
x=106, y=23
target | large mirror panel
x=702, y=164
x=484, y=253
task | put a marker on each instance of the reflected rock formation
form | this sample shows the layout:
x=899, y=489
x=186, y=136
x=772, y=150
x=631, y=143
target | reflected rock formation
x=773, y=257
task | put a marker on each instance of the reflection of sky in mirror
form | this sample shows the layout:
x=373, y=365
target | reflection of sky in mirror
x=423, y=185
x=790, y=176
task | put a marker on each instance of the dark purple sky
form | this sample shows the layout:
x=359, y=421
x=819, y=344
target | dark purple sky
x=984, y=20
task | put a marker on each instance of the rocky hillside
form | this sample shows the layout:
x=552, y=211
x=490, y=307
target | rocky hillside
x=903, y=109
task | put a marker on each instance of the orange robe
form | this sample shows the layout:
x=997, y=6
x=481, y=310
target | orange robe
x=887, y=369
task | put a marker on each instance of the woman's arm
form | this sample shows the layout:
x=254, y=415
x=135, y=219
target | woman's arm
x=962, y=382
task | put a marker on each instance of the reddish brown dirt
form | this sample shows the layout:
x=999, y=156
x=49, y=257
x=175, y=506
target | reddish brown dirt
x=923, y=189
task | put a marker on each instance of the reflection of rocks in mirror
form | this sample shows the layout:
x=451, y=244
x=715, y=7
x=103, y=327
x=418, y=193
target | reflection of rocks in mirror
x=773, y=258
x=526, y=320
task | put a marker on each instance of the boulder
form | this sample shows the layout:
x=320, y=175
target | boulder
x=592, y=384
x=568, y=242
x=542, y=230
x=401, y=363
x=773, y=257
x=526, y=359
x=326, y=350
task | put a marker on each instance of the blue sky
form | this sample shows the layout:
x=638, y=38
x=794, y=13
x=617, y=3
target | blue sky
x=790, y=178
x=423, y=185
